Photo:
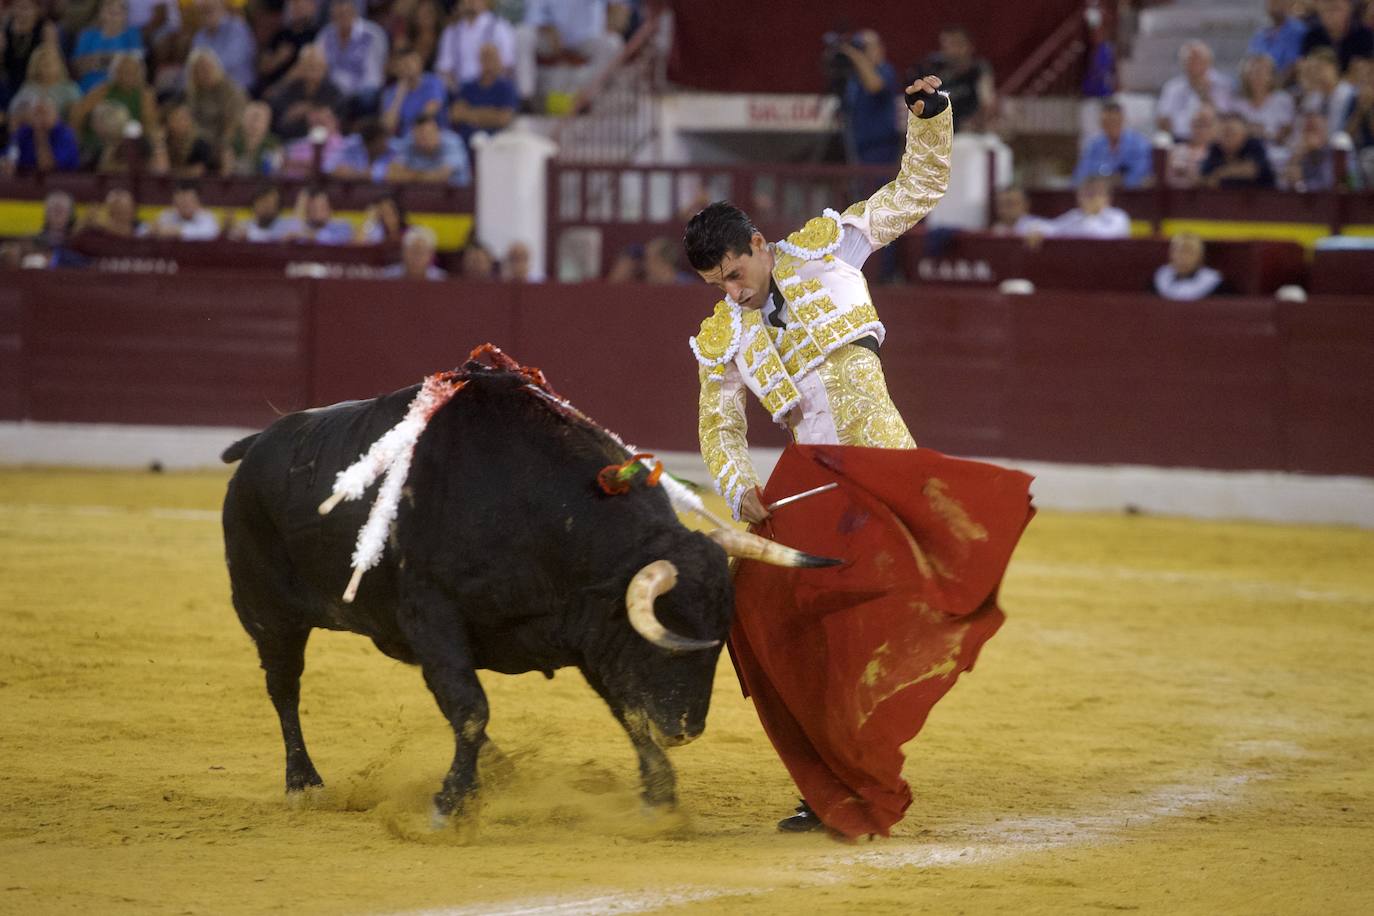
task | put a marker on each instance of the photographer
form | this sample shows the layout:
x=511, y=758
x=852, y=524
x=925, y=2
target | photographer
x=870, y=102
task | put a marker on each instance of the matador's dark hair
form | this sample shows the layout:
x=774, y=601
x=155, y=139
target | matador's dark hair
x=715, y=231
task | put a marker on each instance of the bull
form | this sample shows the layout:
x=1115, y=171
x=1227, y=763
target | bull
x=505, y=554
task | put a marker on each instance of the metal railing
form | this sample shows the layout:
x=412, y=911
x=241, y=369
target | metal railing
x=615, y=116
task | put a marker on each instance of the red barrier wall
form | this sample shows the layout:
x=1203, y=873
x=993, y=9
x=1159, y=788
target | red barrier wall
x=1234, y=383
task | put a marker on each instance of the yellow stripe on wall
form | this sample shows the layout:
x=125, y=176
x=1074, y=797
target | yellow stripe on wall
x=25, y=217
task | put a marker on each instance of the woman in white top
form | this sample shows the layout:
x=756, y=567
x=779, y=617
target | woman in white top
x=1268, y=109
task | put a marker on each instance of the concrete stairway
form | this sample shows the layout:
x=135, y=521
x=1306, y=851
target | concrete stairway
x=1225, y=25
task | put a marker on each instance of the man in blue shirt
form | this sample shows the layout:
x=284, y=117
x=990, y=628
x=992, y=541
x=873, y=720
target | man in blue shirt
x=415, y=94
x=487, y=103
x=1281, y=39
x=356, y=50
x=431, y=154
x=1117, y=153
x=229, y=37
x=870, y=102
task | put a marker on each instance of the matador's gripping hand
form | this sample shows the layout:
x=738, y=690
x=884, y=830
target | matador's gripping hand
x=924, y=98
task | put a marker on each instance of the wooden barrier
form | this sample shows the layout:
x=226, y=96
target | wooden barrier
x=1230, y=383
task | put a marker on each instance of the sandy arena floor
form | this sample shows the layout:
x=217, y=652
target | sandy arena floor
x=1177, y=718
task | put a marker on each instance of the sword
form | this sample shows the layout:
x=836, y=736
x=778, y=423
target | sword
x=814, y=491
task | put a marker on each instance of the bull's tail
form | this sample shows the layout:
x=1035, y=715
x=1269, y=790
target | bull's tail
x=238, y=449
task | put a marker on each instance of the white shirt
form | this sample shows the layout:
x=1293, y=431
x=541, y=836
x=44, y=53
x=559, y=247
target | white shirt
x=1107, y=223
x=460, y=47
x=1335, y=107
x=1178, y=101
x=202, y=227
x=577, y=21
x=1270, y=117
x=1170, y=285
x=275, y=232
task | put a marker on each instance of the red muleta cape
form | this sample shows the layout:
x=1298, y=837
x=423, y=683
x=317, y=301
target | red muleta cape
x=845, y=663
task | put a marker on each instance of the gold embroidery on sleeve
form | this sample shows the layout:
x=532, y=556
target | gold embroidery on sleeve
x=724, y=431
x=903, y=202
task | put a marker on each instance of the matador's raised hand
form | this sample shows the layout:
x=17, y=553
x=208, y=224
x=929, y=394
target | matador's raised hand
x=924, y=98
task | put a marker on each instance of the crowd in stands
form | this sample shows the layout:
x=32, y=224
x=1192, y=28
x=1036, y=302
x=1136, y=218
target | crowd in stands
x=311, y=219
x=1301, y=104
x=392, y=89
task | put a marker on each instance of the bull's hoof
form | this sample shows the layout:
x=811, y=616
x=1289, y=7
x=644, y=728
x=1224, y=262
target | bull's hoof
x=307, y=797
x=463, y=827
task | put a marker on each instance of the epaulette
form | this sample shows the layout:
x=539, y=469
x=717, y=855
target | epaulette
x=718, y=340
x=819, y=237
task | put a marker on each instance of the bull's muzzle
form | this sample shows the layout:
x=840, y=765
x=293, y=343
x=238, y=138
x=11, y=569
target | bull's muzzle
x=657, y=578
x=749, y=546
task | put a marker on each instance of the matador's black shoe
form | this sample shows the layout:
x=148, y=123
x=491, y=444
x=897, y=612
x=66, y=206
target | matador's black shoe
x=804, y=820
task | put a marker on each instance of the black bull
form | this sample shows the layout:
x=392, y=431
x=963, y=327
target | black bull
x=505, y=555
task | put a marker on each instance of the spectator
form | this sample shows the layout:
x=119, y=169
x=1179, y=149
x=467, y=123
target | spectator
x=869, y=102
x=59, y=219
x=255, y=150
x=565, y=32
x=417, y=257
x=127, y=87
x=517, y=266
x=47, y=79
x=102, y=146
x=1281, y=40
x=419, y=28
x=24, y=32
x=75, y=15
x=365, y=155
x=186, y=219
x=97, y=45
x=1312, y=163
x=1337, y=28
x=1184, y=167
x=299, y=28
x=154, y=17
x=431, y=154
x=477, y=262
x=384, y=223
x=1237, y=159
x=474, y=26
x=1186, y=278
x=324, y=136
x=42, y=142
x=229, y=37
x=1267, y=109
x=315, y=220
x=1011, y=215
x=306, y=87
x=216, y=101
x=1324, y=92
x=661, y=262
x=355, y=50
x=117, y=216
x=180, y=150
x=1093, y=218
x=1360, y=124
x=965, y=76
x=487, y=103
x=1118, y=153
x=1199, y=84
x=415, y=94
x=267, y=224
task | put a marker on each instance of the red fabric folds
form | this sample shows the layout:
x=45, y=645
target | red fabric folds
x=845, y=663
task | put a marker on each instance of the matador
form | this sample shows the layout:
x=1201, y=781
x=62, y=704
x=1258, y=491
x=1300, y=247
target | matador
x=844, y=664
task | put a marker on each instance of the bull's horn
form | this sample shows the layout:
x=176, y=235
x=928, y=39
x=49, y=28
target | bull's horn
x=657, y=578
x=749, y=546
